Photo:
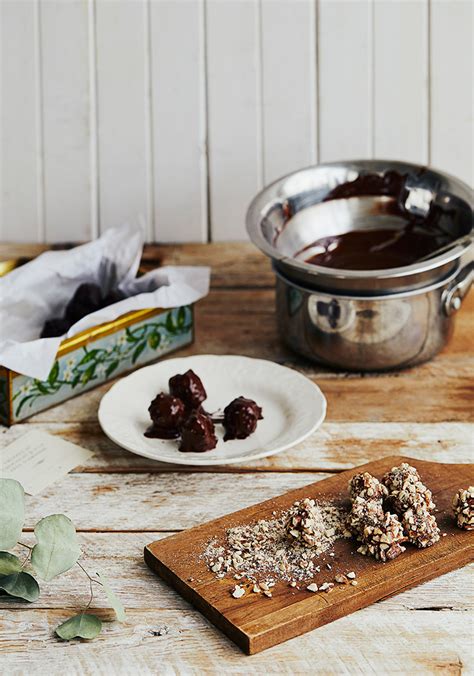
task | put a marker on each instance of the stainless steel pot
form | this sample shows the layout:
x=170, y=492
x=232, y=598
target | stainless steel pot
x=370, y=333
x=362, y=319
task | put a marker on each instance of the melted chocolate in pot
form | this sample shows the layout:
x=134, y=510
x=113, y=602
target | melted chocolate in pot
x=382, y=248
x=374, y=249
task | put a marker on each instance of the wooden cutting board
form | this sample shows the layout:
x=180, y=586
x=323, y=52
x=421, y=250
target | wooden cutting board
x=255, y=622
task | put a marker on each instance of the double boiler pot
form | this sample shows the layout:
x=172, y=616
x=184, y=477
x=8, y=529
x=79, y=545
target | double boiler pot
x=354, y=316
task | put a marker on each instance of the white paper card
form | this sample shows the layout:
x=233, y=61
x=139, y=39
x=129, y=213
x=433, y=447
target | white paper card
x=38, y=459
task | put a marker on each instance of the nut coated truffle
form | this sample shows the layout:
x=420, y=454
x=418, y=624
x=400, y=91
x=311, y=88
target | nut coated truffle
x=189, y=388
x=463, y=506
x=240, y=418
x=167, y=414
x=197, y=434
x=366, y=486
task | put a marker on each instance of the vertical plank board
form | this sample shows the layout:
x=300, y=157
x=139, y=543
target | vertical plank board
x=345, y=79
x=65, y=79
x=234, y=109
x=288, y=85
x=452, y=78
x=123, y=113
x=179, y=120
x=401, y=127
x=21, y=198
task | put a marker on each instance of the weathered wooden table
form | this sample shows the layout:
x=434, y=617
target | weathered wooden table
x=120, y=502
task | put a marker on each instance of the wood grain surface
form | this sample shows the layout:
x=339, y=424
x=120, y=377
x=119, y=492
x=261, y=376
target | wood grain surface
x=121, y=502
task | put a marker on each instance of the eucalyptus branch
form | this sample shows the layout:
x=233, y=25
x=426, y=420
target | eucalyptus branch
x=55, y=551
x=91, y=579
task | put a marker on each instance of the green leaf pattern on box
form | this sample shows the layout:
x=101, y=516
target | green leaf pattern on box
x=118, y=352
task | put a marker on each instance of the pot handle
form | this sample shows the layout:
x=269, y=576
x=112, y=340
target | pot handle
x=454, y=294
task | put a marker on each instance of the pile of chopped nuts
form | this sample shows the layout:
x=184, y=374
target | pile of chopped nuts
x=413, y=502
x=307, y=523
x=463, y=506
x=265, y=552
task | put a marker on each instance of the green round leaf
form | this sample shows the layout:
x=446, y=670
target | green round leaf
x=21, y=586
x=9, y=563
x=83, y=625
x=12, y=512
x=57, y=549
x=112, y=599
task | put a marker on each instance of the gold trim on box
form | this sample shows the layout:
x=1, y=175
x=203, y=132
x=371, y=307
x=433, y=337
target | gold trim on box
x=9, y=265
x=102, y=330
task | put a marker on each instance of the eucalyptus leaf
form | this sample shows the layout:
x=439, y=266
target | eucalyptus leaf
x=57, y=549
x=21, y=586
x=83, y=625
x=9, y=563
x=12, y=512
x=113, y=599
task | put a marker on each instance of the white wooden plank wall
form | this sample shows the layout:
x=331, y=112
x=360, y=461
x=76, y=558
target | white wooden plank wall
x=174, y=113
x=65, y=118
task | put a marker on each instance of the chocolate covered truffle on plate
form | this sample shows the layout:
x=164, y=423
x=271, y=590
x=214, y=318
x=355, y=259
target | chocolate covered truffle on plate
x=198, y=434
x=167, y=414
x=189, y=388
x=240, y=418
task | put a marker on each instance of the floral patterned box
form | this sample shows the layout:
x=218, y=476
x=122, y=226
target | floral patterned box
x=94, y=356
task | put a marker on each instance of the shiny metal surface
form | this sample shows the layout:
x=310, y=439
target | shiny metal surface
x=366, y=334
x=301, y=194
x=457, y=289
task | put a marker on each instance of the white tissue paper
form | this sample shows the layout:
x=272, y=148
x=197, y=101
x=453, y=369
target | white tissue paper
x=41, y=289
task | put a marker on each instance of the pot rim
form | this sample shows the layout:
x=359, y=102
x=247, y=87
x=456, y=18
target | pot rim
x=271, y=195
x=445, y=281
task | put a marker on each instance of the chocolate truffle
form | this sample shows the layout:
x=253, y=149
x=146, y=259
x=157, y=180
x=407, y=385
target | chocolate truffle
x=240, y=418
x=197, y=434
x=168, y=415
x=189, y=388
x=55, y=327
x=366, y=486
x=406, y=490
x=114, y=296
x=463, y=505
x=420, y=527
x=87, y=299
x=383, y=541
x=364, y=513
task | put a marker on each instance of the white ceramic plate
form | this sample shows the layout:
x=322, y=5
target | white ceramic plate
x=293, y=407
